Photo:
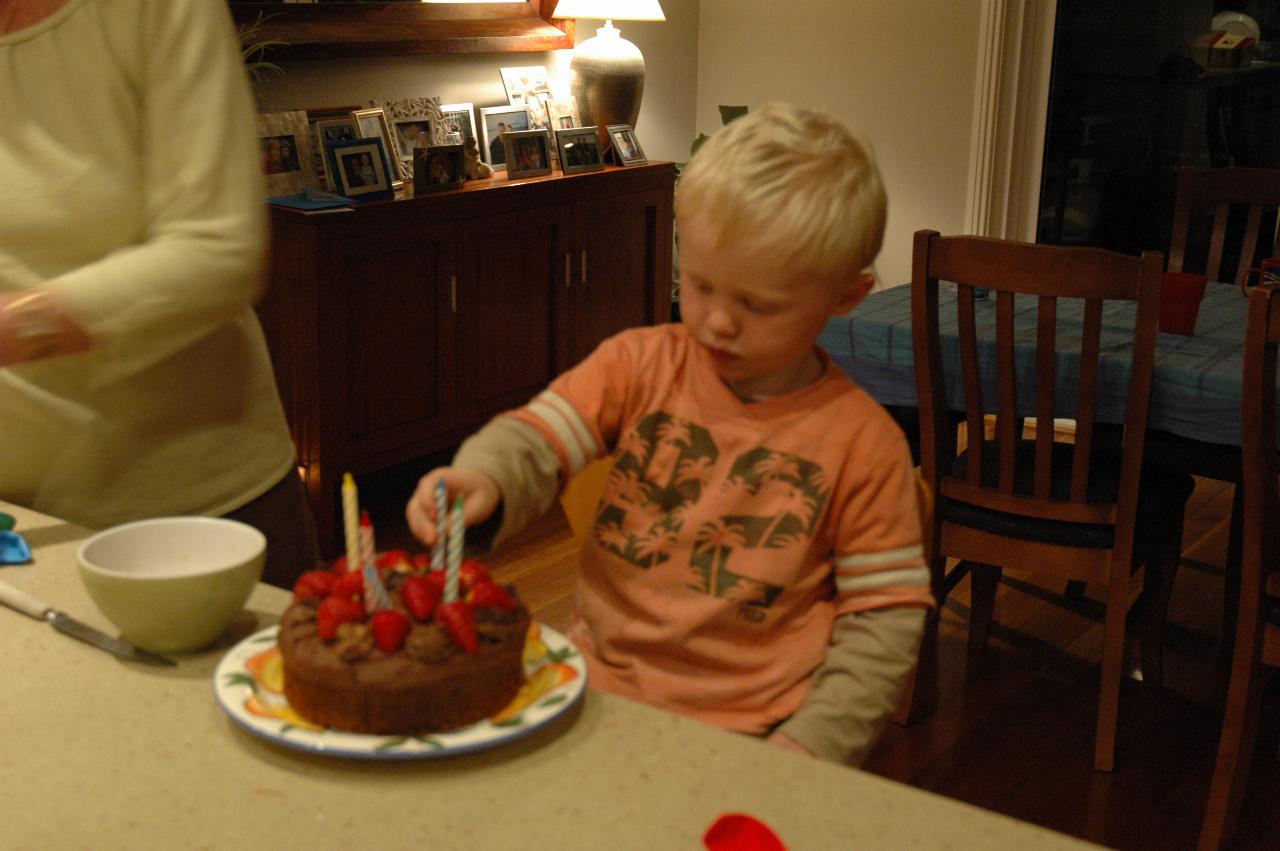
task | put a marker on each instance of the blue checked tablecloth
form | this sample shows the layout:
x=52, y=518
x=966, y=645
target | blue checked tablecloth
x=1196, y=387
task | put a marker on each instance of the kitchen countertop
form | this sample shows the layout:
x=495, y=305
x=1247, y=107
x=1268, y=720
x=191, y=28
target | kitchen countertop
x=98, y=752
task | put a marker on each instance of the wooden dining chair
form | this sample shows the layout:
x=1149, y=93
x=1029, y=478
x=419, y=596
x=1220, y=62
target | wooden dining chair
x=1071, y=509
x=581, y=497
x=1253, y=193
x=1257, y=635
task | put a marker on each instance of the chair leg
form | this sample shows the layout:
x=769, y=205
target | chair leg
x=1235, y=754
x=920, y=697
x=1230, y=591
x=1158, y=581
x=1104, y=748
x=984, y=579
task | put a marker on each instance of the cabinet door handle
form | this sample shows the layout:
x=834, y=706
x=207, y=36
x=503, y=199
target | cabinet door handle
x=566, y=268
x=582, y=270
x=453, y=293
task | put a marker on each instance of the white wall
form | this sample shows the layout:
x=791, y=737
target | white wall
x=901, y=71
x=665, y=125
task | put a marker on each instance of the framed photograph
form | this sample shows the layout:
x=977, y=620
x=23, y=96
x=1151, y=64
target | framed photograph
x=537, y=106
x=579, y=149
x=523, y=82
x=287, y=153
x=496, y=121
x=411, y=132
x=372, y=124
x=527, y=153
x=417, y=108
x=327, y=131
x=562, y=114
x=362, y=169
x=460, y=118
x=437, y=168
x=626, y=144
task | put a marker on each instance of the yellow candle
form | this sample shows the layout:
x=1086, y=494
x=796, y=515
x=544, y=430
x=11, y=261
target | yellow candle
x=351, y=521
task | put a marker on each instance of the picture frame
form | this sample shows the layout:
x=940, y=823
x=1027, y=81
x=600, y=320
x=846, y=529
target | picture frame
x=527, y=153
x=287, y=152
x=325, y=131
x=539, y=115
x=372, y=124
x=525, y=81
x=460, y=118
x=562, y=114
x=495, y=121
x=579, y=149
x=408, y=130
x=362, y=169
x=428, y=108
x=625, y=144
x=437, y=168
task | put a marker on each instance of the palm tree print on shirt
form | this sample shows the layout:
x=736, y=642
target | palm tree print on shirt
x=791, y=492
x=665, y=464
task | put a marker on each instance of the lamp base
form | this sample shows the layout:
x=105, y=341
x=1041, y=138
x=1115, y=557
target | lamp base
x=607, y=80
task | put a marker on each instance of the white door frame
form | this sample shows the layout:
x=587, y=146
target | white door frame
x=1011, y=98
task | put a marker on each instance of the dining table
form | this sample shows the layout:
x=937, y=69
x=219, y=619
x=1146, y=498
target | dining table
x=1194, y=413
x=102, y=752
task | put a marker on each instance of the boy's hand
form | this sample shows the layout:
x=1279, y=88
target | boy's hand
x=480, y=497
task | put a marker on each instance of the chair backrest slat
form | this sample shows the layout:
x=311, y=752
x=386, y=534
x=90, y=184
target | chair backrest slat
x=1007, y=379
x=1046, y=375
x=1018, y=275
x=975, y=425
x=1086, y=398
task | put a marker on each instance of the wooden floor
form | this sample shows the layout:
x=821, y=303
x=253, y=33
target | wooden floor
x=1017, y=737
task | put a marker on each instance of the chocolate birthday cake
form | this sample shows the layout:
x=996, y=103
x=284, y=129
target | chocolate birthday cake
x=420, y=665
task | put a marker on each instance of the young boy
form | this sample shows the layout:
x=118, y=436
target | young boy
x=755, y=560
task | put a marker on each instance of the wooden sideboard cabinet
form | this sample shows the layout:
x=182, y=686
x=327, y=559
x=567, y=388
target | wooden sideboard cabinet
x=397, y=328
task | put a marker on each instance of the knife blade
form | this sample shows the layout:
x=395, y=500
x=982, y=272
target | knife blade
x=21, y=601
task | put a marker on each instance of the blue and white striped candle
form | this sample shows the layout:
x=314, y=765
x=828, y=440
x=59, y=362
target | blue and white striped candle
x=457, y=530
x=442, y=514
x=375, y=593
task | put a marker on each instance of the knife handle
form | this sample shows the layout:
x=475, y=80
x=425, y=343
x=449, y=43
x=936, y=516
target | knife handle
x=22, y=601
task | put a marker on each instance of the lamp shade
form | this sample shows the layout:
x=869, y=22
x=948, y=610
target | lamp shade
x=617, y=10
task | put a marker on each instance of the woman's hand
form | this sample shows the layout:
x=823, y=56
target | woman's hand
x=34, y=325
x=480, y=497
x=787, y=743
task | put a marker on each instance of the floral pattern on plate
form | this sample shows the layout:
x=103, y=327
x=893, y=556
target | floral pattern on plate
x=249, y=686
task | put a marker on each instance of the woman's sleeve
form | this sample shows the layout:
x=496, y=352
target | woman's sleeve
x=200, y=260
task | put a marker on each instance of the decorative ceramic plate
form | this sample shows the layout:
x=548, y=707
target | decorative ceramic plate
x=248, y=684
x=1236, y=23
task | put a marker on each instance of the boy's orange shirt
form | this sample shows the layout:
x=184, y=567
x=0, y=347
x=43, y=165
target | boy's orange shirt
x=730, y=535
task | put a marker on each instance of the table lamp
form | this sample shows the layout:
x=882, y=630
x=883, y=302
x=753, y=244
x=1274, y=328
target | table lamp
x=607, y=72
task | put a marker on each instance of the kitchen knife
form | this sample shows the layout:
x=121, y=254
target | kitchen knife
x=23, y=602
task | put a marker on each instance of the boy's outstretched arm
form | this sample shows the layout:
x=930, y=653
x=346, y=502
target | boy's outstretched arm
x=507, y=465
x=858, y=685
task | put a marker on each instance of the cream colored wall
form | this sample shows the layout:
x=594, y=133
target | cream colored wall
x=665, y=125
x=901, y=71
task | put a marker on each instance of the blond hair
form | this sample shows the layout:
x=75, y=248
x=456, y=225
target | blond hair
x=793, y=179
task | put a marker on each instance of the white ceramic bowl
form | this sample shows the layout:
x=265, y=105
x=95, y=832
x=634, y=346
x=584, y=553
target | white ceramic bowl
x=172, y=584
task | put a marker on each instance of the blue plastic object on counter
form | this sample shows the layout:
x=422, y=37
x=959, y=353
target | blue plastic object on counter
x=13, y=550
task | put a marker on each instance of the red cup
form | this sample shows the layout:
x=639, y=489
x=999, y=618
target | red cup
x=1180, y=295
